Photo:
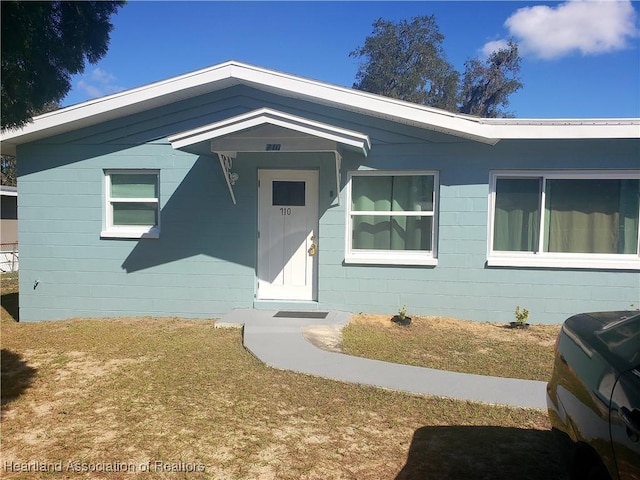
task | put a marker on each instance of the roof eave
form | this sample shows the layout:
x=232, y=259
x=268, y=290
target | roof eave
x=566, y=129
x=488, y=131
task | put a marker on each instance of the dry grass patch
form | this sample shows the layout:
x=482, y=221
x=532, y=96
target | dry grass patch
x=455, y=345
x=135, y=391
x=140, y=391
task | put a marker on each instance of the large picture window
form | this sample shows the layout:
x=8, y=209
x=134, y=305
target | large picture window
x=132, y=206
x=570, y=220
x=391, y=217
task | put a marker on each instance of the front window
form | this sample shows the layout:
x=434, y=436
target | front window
x=581, y=220
x=132, y=206
x=391, y=218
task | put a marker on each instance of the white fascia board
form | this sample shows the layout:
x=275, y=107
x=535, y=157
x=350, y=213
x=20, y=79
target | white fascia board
x=232, y=73
x=513, y=129
x=370, y=104
x=264, y=116
x=118, y=105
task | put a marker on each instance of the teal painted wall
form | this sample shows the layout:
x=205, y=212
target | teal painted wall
x=461, y=285
x=203, y=264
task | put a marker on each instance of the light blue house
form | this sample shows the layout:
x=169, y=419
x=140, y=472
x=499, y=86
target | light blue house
x=241, y=187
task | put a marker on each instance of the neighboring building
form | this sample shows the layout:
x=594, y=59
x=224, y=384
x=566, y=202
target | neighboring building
x=241, y=187
x=8, y=229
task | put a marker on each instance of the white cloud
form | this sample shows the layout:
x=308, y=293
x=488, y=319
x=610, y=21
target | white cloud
x=98, y=82
x=493, y=46
x=102, y=76
x=89, y=89
x=590, y=27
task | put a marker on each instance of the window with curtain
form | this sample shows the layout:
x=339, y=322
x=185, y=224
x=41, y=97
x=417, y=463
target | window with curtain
x=517, y=214
x=132, y=203
x=558, y=213
x=391, y=217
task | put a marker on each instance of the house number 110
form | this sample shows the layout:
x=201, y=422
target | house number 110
x=285, y=211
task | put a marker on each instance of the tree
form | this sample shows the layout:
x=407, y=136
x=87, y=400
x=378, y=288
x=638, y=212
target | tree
x=43, y=45
x=8, y=173
x=405, y=60
x=486, y=87
x=8, y=166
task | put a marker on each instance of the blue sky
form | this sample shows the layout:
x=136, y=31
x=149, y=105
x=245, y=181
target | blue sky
x=580, y=59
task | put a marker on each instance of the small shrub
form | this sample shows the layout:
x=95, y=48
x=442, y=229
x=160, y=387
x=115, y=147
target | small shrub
x=521, y=315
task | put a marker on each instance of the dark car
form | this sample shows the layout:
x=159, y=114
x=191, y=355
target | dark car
x=594, y=395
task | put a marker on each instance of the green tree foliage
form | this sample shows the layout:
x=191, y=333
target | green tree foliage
x=8, y=166
x=486, y=86
x=43, y=45
x=406, y=60
x=8, y=171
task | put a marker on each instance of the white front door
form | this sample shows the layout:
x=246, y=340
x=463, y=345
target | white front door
x=287, y=234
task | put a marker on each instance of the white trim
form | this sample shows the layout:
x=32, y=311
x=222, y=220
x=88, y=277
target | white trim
x=577, y=261
x=114, y=232
x=266, y=116
x=392, y=257
x=543, y=259
x=381, y=257
x=133, y=231
x=232, y=73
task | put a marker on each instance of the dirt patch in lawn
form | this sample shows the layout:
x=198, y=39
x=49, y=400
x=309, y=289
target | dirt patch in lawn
x=326, y=337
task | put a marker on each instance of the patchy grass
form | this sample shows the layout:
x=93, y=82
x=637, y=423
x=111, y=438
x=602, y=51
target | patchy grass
x=456, y=345
x=136, y=394
x=168, y=390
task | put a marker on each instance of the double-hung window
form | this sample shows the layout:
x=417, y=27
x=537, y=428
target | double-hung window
x=391, y=217
x=132, y=204
x=564, y=219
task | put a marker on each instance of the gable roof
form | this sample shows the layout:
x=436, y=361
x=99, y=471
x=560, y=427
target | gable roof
x=299, y=128
x=233, y=73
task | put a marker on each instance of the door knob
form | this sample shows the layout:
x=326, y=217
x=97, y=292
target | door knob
x=312, y=250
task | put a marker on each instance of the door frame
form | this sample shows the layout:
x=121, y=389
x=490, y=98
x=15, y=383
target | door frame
x=264, y=290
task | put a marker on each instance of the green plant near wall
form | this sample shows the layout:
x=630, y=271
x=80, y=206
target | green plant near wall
x=401, y=318
x=521, y=314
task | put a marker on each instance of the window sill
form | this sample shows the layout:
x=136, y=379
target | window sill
x=390, y=259
x=137, y=233
x=631, y=262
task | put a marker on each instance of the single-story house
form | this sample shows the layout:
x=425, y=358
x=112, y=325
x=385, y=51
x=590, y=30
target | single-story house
x=241, y=187
x=8, y=228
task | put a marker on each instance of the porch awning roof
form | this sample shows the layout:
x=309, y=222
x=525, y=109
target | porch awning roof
x=268, y=130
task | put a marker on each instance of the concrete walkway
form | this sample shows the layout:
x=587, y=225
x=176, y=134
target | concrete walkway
x=280, y=343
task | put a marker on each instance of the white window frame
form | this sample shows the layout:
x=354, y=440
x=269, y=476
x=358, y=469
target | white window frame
x=392, y=257
x=128, y=231
x=555, y=259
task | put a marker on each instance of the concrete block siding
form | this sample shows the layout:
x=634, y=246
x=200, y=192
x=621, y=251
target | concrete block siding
x=203, y=264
